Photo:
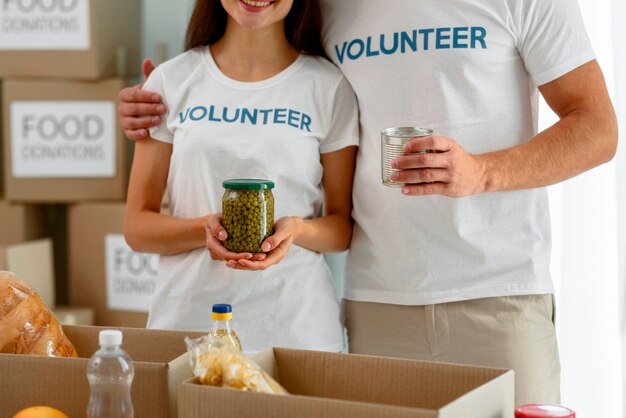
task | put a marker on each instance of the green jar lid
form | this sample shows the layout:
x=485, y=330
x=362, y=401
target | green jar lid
x=248, y=184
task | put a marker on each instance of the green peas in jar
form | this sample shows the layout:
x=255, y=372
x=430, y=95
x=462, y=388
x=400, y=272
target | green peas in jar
x=247, y=214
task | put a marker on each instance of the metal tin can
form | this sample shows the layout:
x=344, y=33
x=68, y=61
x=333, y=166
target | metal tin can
x=543, y=411
x=391, y=141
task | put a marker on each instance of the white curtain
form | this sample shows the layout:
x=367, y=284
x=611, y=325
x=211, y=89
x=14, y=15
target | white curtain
x=619, y=46
x=589, y=256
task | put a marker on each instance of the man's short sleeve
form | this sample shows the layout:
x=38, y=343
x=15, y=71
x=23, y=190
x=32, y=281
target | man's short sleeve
x=344, y=127
x=156, y=83
x=551, y=38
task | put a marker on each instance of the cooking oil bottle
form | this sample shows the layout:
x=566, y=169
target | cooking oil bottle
x=221, y=315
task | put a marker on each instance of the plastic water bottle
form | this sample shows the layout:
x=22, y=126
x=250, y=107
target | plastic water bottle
x=221, y=329
x=110, y=374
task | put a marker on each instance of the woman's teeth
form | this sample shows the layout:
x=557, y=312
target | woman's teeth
x=256, y=3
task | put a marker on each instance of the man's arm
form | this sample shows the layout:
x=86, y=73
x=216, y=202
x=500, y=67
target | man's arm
x=584, y=137
x=139, y=109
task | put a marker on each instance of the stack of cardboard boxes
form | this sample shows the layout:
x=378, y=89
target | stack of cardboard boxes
x=65, y=161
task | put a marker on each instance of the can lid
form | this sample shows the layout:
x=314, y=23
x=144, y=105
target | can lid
x=248, y=184
x=406, y=132
x=543, y=411
x=110, y=337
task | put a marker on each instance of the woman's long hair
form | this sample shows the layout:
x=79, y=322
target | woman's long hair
x=303, y=25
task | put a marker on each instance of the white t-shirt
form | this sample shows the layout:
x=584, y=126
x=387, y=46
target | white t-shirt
x=468, y=70
x=274, y=129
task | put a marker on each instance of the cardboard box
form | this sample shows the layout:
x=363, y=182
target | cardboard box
x=333, y=385
x=72, y=315
x=32, y=261
x=62, y=141
x=69, y=38
x=159, y=358
x=104, y=272
x=19, y=223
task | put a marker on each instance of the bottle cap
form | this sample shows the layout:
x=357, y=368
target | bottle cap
x=248, y=184
x=110, y=337
x=222, y=308
x=544, y=411
x=222, y=312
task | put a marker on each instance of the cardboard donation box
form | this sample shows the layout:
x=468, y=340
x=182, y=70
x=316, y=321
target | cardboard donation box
x=62, y=142
x=333, y=385
x=19, y=223
x=159, y=357
x=69, y=38
x=32, y=261
x=104, y=271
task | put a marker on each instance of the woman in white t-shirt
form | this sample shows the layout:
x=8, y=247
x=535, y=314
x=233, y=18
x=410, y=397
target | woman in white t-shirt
x=250, y=98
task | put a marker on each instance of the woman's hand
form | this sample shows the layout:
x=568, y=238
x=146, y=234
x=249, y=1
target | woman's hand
x=276, y=246
x=216, y=234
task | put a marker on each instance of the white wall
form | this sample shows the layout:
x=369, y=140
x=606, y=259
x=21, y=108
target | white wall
x=164, y=22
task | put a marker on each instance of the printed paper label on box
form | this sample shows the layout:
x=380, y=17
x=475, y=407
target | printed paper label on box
x=131, y=277
x=44, y=25
x=63, y=139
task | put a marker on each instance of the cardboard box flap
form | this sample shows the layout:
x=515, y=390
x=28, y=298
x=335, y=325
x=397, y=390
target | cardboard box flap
x=472, y=404
x=339, y=376
x=267, y=361
x=156, y=346
x=54, y=381
x=33, y=262
x=179, y=371
x=201, y=401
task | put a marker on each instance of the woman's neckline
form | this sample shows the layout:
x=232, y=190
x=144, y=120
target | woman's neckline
x=249, y=85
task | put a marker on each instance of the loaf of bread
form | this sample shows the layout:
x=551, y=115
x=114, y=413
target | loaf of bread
x=27, y=325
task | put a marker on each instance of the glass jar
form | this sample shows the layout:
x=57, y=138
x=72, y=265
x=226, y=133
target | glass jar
x=247, y=214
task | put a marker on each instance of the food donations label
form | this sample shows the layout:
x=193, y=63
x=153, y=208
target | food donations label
x=131, y=277
x=44, y=25
x=63, y=139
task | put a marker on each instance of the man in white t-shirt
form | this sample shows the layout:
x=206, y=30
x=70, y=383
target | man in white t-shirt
x=455, y=265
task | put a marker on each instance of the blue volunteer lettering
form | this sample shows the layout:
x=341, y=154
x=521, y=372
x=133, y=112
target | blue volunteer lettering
x=463, y=37
x=246, y=116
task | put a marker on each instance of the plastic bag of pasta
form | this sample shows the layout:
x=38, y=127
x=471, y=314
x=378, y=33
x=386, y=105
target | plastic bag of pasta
x=215, y=363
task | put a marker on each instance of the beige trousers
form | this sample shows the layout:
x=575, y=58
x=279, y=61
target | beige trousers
x=512, y=332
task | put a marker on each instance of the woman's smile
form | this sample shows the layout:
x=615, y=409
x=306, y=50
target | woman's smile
x=255, y=6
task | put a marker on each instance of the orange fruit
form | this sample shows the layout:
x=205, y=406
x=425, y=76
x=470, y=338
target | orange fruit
x=40, y=412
